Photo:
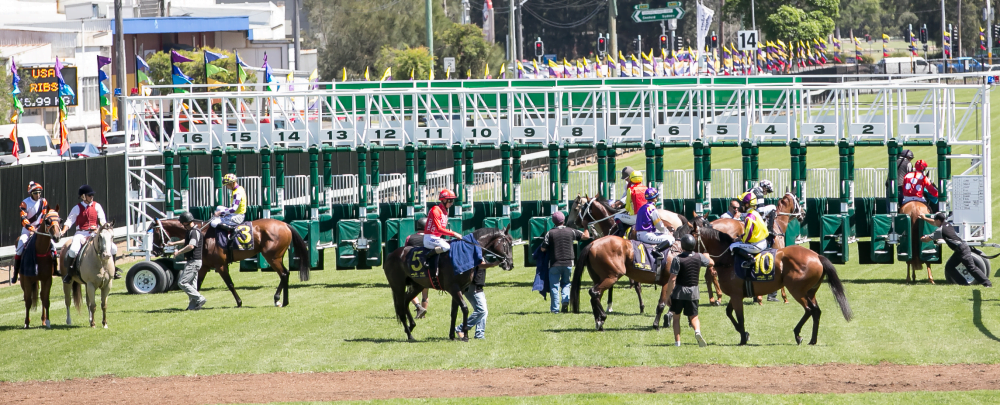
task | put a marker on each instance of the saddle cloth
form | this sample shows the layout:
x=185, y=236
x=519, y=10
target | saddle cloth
x=762, y=269
x=420, y=266
x=641, y=257
x=242, y=236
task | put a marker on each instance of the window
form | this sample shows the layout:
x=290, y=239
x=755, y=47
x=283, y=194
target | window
x=39, y=143
x=89, y=95
x=6, y=146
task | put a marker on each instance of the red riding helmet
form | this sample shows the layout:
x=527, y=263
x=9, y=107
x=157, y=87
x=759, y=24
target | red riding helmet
x=446, y=194
x=920, y=165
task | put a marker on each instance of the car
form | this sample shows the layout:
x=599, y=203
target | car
x=963, y=65
x=82, y=150
x=35, y=137
x=116, y=143
x=906, y=65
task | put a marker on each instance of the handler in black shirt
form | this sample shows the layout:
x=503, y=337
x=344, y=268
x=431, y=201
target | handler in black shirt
x=684, y=272
x=956, y=244
x=192, y=254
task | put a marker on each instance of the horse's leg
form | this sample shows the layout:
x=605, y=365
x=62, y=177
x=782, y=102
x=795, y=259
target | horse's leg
x=729, y=314
x=708, y=286
x=638, y=292
x=599, y=315
x=738, y=308
x=929, y=276
x=283, y=273
x=465, y=316
x=105, y=291
x=67, y=291
x=454, y=314
x=46, y=283
x=816, y=312
x=224, y=272
x=784, y=297
x=92, y=302
x=611, y=292
x=660, y=307
x=413, y=291
x=798, y=327
x=26, y=289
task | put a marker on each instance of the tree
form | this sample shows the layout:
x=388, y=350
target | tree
x=160, y=69
x=465, y=43
x=404, y=61
x=795, y=20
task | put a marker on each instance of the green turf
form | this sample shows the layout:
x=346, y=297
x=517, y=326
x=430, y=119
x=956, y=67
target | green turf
x=342, y=320
x=951, y=398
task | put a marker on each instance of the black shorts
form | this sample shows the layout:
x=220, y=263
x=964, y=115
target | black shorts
x=688, y=307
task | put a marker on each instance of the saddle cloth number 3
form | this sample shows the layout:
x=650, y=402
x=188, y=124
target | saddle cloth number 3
x=244, y=235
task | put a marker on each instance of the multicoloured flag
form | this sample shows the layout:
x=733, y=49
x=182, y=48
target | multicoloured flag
x=241, y=74
x=177, y=77
x=178, y=58
x=16, y=108
x=947, y=44
x=885, y=46
x=64, y=90
x=982, y=39
x=268, y=78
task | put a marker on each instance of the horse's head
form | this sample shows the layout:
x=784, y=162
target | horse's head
x=164, y=229
x=104, y=240
x=52, y=224
x=499, y=243
x=574, y=213
x=789, y=205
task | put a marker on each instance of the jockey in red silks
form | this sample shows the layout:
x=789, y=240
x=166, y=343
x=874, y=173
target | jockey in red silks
x=437, y=224
x=914, y=185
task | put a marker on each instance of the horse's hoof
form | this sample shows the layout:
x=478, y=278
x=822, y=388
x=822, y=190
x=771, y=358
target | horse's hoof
x=746, y=337
x=48, y=325
x=600, y=326
x=25, y=326
x=642, y=310
x=105, y=326
x=411, y=339
x=465, y=339
x=798, y=340
x=610, y=309
x=239, y=304
x=277, y=304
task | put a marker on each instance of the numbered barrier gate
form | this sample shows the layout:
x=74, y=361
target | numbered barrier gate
x=522, y=117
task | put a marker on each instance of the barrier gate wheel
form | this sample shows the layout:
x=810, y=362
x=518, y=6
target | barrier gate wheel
x=146, y=278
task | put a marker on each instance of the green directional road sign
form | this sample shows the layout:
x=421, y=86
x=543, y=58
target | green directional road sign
x=657, y=14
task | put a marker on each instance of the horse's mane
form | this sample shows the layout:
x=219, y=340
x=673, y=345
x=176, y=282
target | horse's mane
x=605, y=203
x=713, y=234
x=486, y=232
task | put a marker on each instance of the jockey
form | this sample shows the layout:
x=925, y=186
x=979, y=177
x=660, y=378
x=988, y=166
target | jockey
x=914, y=185
x=437, y=224
x=762, y=188
x=87, y=216
x=32, y=210
x=633, y=198
x=648, y=225
x=754, y=239
x=227, y=218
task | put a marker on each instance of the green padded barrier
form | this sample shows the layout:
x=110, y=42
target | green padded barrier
x=529, y=209
x=878, y=249
x=496, y=222
x=836, y=231
x=326, y=226
x=929, y=251
x=397, y=230
x=904, y=250
x=792, y=232
x=538, y=226
x=815, y=210
x=309, y=230
x=348, y=230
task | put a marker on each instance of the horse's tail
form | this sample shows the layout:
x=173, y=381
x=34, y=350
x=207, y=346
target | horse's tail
x=581, y=261
x=837, y=287
x=302, y=251
x=77, y=294
x=33, y=286
x=393, y=275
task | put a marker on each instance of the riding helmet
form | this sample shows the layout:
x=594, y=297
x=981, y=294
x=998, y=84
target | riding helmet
x=652, y=193
x=920, y=165
x=688, y=243
x=228, y=178
x=86, y=190
x=421, y=224
x=635, y=177
x=32, y=186
x=446, y=194
x=766, y=186
x=627, y=172
x=748, y=199
x=186, y=218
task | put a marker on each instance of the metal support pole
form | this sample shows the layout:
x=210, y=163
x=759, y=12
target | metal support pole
x=648, y=148
x=265, y=180
x=613, y=26
x=217, y=175
x=846, y=176
x=362, y=182
x=421, y=197
x=553, y=178
x=296, y=28
x=457, y=180
x=944, y=174
x=699, y=170
x=429, y=12
x=612, y=173
x=658, y=173
x=375, y=182
x=120, y=70
x=168, y=182
x=517, y=178
x=314, y=183
x=185, y=181
x=279, y=181
x=505, y=185
x=411, y=184
x=327, y=178
x=564, y=177
x=470, y=181
x=891, y=191
x=602, y=168
x=512, y=33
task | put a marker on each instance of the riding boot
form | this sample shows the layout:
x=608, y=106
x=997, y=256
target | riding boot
x=746, y=256
x=17, y=269
x=70, y=269
x=225, y=228
x=118, y=273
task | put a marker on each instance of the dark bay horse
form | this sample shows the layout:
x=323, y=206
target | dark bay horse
x=41, y=283
x=915, y=209
x=598, y=212
x=405, y=287
x=271, y=239
x=797, y=268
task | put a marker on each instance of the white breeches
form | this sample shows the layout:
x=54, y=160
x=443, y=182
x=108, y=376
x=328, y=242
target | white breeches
x=228, y=219
x=625, y=218
x=655, y=238
x=431, y=242
x=78, y=239
x=24, y=239
x=752, y=248
x=764, y=210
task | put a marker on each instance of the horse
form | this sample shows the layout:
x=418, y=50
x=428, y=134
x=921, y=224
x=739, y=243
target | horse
x=97, y=269
x=405, y=287
x=797, y=268
x=271, y=239
x=50, y=233
x=916, y=210
x=599, y=212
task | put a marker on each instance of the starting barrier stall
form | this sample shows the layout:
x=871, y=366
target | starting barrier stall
x=358, y=213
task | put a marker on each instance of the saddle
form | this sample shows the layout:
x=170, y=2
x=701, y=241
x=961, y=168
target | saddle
x=240, y=240
x=761, y=270
x=422, y=262
x=644, y=260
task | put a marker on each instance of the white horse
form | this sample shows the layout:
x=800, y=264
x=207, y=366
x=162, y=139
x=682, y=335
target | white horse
x=97, y=269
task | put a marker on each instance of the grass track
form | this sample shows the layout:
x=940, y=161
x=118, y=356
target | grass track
x=951, y=398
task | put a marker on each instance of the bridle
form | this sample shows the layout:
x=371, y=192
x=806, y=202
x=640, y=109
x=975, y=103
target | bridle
x=585, y=212
x=99, y=243
x=504, y=259
x=701, y=244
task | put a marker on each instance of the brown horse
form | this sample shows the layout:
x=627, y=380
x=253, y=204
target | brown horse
x=598, y=211
x=406, y=287
x=795, y=267
x=271, y=239
x=915, y=209
x=50, y=232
